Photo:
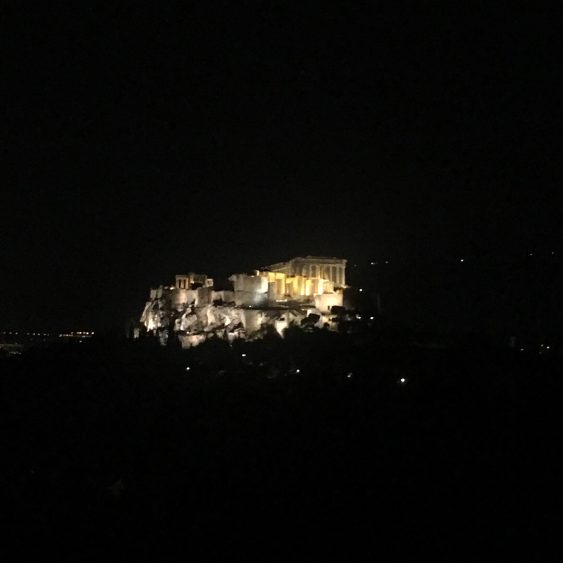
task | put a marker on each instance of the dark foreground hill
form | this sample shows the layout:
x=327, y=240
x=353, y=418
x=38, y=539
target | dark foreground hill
x=288, y=450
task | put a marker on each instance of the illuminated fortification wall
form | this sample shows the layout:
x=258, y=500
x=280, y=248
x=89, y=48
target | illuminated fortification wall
x=301, y=290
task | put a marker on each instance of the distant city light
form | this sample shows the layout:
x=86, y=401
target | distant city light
x=188, y=368
x=360, y=290
x=349, y=375
x=403, y=380
x=387, y=261
x=371, y=318
x=243, y=355
x=461, y=259
x=297, y=371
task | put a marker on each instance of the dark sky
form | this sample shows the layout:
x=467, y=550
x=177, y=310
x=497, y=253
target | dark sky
x=140, y=142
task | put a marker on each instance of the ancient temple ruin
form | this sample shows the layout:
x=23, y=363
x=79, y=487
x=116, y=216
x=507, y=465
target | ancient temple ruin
x=302, y=291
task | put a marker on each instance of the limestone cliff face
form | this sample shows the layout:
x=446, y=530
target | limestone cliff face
x=193, y=324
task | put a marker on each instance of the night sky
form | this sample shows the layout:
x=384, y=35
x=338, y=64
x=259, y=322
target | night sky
x=141, y=142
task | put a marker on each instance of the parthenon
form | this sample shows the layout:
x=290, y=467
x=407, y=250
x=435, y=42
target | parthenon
x=332, y=269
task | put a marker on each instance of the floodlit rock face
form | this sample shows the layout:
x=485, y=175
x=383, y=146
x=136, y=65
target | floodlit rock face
x=299, y=292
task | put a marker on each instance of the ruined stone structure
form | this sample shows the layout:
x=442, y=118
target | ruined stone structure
x=332, y=269
x=301, y=291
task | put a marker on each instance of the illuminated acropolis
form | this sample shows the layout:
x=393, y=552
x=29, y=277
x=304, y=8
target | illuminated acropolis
x=302, y=291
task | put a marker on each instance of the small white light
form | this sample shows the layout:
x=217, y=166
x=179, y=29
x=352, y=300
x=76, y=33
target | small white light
x=371, y=318
x=403, y=380
x=349, y=376
x=243, y=355
x=360, y=290
x=461, y=259
x=387, y=261
x=521, y=349
x=373, y=263
x=547, y=347
x=297, y=371
x=188, y=368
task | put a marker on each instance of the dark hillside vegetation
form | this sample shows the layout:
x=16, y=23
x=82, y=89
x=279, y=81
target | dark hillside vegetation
x=295, y=448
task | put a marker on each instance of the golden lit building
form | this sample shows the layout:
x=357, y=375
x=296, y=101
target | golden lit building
x=312, y=281
x=278, y=296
